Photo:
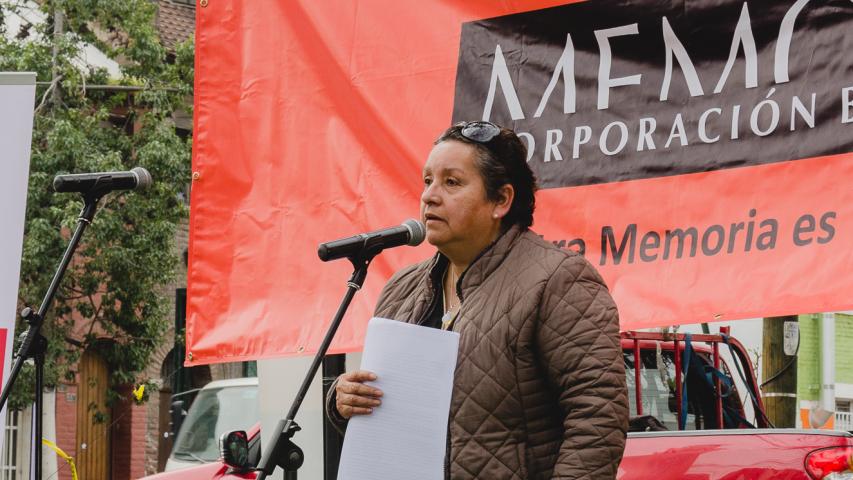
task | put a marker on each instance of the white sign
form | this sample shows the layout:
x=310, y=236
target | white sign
x=17, y=99
x=791, y=338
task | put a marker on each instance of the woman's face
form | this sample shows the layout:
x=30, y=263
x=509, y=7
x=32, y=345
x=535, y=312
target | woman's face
x=454, y=207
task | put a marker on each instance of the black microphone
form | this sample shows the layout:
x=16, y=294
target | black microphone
x=411, y=232
x=103, y=182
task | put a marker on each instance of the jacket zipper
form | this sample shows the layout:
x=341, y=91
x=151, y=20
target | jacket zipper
x=432, y=302
x=428, y=310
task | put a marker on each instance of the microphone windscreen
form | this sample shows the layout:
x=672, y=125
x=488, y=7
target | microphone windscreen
x=418, y=231
x=143, y=178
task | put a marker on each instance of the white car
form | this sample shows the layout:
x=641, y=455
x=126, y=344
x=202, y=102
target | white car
x=221, y=406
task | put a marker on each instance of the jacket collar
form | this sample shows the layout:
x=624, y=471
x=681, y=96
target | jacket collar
x=483, y=265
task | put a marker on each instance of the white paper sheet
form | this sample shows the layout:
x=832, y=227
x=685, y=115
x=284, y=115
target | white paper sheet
x=406, y=436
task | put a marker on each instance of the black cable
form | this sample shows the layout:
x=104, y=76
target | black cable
x=784, y=368
x=755, y=405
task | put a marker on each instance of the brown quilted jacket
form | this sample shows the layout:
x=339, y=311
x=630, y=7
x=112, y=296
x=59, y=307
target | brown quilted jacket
x=539, y=391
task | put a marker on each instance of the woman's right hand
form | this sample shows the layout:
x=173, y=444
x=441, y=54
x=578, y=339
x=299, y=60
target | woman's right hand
x=353, y=397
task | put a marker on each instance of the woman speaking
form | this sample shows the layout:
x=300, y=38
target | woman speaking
x=539, y=390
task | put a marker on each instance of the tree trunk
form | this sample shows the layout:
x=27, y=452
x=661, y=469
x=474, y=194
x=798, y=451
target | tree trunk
x=58, y=30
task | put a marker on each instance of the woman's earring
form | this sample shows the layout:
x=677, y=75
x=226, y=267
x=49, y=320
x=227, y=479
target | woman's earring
x=495, y=215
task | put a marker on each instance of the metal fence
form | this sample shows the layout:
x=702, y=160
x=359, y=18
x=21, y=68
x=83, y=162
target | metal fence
x=844, y=421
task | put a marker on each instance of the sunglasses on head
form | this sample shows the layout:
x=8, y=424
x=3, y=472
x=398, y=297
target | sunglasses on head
x=480, y=131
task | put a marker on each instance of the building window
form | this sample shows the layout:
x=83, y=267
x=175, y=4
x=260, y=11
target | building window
x=250, y=368
x=11, y=444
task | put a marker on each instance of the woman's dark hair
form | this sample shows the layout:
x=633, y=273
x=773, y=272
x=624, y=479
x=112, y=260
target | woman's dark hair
x=502, y=160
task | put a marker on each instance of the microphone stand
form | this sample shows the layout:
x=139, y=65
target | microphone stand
x=35, y=344
x=282, y=451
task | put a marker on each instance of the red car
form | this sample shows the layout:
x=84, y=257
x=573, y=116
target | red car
x=692, y=417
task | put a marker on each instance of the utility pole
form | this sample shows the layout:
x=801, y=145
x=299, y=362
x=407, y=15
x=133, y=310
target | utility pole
x=58, y=31
x=779, y=370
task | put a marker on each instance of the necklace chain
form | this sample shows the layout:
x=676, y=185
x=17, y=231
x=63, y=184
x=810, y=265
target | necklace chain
x=448, y=319
x=449, y=293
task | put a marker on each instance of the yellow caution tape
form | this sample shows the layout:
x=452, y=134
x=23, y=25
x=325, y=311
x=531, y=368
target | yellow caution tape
x=68, y=458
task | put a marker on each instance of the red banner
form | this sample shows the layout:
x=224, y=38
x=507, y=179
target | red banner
x=697, y=156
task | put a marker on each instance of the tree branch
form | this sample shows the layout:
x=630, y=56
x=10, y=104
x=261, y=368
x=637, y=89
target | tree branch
x=53, y=84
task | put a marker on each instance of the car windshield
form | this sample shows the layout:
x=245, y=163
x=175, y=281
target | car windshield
x=214, y=412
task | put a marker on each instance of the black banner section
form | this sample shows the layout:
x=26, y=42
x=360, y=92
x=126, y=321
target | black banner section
x=606, y=91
